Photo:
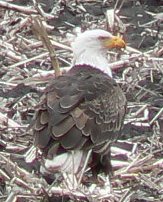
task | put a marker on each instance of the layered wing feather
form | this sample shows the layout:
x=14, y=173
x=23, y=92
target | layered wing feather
x=82, y=110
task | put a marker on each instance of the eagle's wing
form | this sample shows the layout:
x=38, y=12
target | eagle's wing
x=79, y=112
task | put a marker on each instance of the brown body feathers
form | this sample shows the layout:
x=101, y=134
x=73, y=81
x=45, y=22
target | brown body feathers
x=81, y=110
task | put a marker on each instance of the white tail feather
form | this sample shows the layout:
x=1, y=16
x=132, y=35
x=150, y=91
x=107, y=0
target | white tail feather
x=70, y=162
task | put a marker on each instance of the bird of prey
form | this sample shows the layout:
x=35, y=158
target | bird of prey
x=82, y=110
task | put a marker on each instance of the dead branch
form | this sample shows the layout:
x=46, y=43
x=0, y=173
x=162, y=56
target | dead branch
x=22, y=9
x=40, y=31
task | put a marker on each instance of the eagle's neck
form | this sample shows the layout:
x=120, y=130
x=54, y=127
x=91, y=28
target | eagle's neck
x=97, y=60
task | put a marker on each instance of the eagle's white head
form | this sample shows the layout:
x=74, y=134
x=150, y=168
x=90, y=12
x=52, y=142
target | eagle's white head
x=91, y=48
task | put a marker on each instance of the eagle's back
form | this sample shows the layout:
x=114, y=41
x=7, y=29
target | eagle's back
x=82, y=110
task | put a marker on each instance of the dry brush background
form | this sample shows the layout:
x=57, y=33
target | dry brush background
x=25, y=69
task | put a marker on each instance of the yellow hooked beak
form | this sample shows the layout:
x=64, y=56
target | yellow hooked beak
x=113, y=42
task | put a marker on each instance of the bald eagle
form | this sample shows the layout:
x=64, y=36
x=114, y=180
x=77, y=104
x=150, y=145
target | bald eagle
x=82, y=110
